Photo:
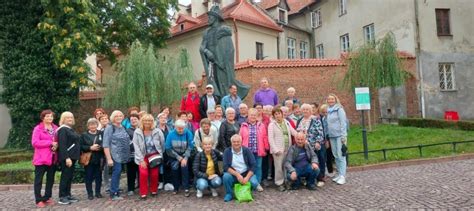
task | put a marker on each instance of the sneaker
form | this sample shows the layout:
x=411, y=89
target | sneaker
x=331, y=174
x=259, y=188
x=64, y=201
x=320, y=184
x=143, y=197
x=335, y=178
x=130, y=193
x=160, y=186
x=227, y=198
x=99, y=196
x=40, y=204
x=154, y=194
x=281, y=188
x=90, y=197
x=341, y=180
x=49, y=202
x=199, y=194
x=116, y=198
x=72, y=199
x=169, y=187
x=214, y=192
x=187, y=193
x=312, y=187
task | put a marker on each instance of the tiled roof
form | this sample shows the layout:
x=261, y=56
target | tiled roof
x=401, y=55
x=297, y=5
x=267, y=4
x=282, y=63
x=90, y=95
x=240, y=10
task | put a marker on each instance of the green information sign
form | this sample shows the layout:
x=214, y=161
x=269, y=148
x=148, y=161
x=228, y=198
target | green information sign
x=362, y=97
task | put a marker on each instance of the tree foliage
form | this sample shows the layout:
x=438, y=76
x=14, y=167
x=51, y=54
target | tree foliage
x=375, y=65
x=146, y=78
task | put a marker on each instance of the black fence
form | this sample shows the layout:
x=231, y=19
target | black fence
x=420, y=148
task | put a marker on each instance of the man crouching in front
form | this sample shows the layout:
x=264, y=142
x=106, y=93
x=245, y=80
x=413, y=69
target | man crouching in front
x=301, y=161
x=239, y=166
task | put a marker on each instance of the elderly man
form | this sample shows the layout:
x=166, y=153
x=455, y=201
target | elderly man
x=239, y=166
x=301, y=161
x=190, y=102
x=232, y=99
x=205, y=131
x=178, y=145
x=208, y=100
x=243, y=114
x=265, y=95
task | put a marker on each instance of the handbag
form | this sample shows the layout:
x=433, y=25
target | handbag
x=154, y=160
x=86, y=156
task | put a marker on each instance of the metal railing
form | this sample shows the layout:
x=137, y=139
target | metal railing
x=420, y=148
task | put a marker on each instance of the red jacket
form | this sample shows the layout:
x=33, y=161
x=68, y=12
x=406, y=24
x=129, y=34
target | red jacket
x=191, y=105
x=262, y=138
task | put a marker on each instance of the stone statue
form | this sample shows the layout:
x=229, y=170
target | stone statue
x=217, y=54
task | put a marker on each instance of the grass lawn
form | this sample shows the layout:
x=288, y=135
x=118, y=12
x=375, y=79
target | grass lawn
x=390, y=136
x=17, y=166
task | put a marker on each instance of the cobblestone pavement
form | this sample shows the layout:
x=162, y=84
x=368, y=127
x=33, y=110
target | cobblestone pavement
x=432, y=186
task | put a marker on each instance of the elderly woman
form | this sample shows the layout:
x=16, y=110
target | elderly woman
x=291, y=92
x=243, y=113
x=205, y=168
x=205, y=131
x=228, y=128
x=219, y=117
x=337, y=133
x=147, y=141
x=132, y=167
x=99, y=112
x=163, y=125
x=69, y=152
x=323, y=112
x=279, y=139
x=312, y=126
x=103, y=122
x=254, y=136
x=117, y=150
x=178, y=146
x=91, y=141
x=44, y=148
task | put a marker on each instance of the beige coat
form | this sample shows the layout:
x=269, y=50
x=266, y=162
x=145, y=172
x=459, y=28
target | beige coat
x=275, y=136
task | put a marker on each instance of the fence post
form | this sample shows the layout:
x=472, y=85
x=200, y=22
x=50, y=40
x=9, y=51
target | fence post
x=419, y=148
x=384, y=154
x=454, y=147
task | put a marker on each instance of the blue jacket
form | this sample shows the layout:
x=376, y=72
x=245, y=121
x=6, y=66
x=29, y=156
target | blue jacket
x=248, y=158
x=227, y=102
x=336, y=122
x=179, y=146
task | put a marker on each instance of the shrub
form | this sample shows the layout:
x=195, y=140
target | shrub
x=14, y=158
x=23, y=176
x=436, y=123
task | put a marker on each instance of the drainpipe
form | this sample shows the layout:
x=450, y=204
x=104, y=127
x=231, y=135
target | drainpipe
x=419, y=59
x=236, y=32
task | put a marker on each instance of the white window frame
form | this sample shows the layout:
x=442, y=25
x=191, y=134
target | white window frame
x=369, y=33
x=285, y=16
x=342, y=7
x=316, y=19
x=291, y=45
x=345, y=42
x=303, y=50
x=444, y=76
x=320, y=51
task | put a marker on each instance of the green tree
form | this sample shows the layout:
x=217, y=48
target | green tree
x=145, y=78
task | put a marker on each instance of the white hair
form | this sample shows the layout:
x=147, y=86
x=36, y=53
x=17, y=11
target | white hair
x=307, y=106
x=291, y=89
x=92, y=121
x=268, y=108
x=243, y=105
x=229, y=110
x=284, y=109
x=114, y=113
x=180, y=123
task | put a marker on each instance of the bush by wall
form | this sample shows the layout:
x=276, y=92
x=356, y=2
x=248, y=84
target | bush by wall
x=436, y=123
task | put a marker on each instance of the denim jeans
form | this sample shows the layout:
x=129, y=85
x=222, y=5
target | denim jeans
x=321, y=153
x=202, y=184
x=115, y=182
x=230, y=180
x=341, y=164
x=308, y=172
x=178, y=171
x=258, y=168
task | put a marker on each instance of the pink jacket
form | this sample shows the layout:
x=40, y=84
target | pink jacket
x=275, y=136
x=41, y=141
x=262, y=138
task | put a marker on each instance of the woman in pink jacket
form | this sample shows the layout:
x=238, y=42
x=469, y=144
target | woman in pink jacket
x=279, y=138
x=254, y=137
x=44, y=157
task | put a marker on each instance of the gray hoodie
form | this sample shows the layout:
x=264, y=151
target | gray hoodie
x=139, y=143
x=336, y=122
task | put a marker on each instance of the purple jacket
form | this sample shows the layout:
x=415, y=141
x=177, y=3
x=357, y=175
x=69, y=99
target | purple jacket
x=266, y=97
x=41, y=141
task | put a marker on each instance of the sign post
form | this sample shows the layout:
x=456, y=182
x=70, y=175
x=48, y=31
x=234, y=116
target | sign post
x=362, y=97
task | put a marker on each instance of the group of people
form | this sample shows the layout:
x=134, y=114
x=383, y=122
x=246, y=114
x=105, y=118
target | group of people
x=211, y=142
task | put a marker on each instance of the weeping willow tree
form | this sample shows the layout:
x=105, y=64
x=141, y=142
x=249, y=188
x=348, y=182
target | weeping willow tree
x=375, y=65
x=145, y=78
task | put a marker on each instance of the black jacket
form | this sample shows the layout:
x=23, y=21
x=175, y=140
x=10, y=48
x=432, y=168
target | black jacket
x=87, y=140
x=68, y=144
x=200, y=163
x=226, y=131
x=203, y=104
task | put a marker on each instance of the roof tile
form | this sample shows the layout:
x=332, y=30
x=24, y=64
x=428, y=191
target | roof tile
x=284, y=63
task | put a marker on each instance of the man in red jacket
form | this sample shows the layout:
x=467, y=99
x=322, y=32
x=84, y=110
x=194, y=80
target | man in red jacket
x=190, y=102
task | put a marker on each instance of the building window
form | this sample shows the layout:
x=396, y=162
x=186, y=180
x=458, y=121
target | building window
x=282, y=15
x=342, y=7
x=291, y=48
x=181, y=26
x=345, y=43
x=320, y=51
x=442, y=22
x=316, y=18
x=446, y=77
x=303, y=50
x=369, y=33
x=259, y=49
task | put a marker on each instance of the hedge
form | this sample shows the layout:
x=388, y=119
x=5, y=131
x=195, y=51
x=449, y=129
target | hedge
x=436, y=123
x=14, y=158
